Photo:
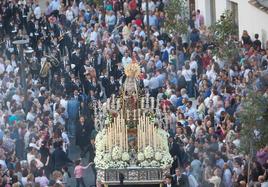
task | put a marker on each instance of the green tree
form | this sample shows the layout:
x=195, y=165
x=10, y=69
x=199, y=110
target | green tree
x=223, y=32
x=254, y=131
x=97, y=2
x=253, y=117
x=176, y=18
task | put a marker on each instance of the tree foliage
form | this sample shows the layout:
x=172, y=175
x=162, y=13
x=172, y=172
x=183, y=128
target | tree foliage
x=176, y=20
x=223, y=32
x=97, y=2
x=254, y=117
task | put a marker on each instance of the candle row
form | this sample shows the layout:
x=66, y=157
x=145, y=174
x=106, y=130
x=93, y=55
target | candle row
x=145, y=103
x=149, y=103
x=113, y=103
x=117, y=134
x=147, y=134
x=134, y=113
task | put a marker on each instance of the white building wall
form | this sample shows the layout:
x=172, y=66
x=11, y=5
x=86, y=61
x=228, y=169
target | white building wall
x=253, y=20
x=221, y=6
x=204, y=7
x=249, y=17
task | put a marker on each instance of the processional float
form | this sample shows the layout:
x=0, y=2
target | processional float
x=130, y=142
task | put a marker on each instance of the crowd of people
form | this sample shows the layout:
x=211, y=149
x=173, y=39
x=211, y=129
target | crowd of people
x=76, y=55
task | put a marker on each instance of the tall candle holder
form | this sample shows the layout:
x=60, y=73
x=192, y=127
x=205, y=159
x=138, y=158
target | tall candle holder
x=108, y=104
x=118, y=104
x=134, y=114
x=152, y=103
x=95, y=108
x=113, y=101
x=147, y=102
x=142, y=103
x=127, y=115
x=157, y=103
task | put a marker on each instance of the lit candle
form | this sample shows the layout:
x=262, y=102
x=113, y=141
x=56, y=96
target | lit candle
x=126, y=141
x=154, y=134
x=149, y=131
x=138, y=135
x=114, y=132
x=120, y=132
x=142, y=103
x=147, y=100
x=108, y=104
x=107, y=139
x=123, y=133
x=114, y=128
x=113, y=101
x=157, y=103
x=127, y=114
x=146, y=131
x=134, y=114
x=143, y=131
x=139, y=113
x=152, y=103
x=153, y=141
x=122, y=114
x=117, y=131
x=110, y=139
x=117, y=104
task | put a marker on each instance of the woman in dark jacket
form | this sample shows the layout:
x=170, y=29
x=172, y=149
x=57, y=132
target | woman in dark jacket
x=83, y=135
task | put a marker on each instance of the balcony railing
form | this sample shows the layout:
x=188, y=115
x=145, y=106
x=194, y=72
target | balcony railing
x=260, y=4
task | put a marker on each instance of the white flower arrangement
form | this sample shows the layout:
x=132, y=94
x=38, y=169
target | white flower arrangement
x=119, y=159
x=158, y=156
x=116, y=153
x=125, y=156
x=100, y=136
x=108, y=119
x=103, y=160
x=101, y=146
x=107, y=157
x=145, y=163
x=100, y=162
x=163, y=135
x=149, y=152
x=122, y=164
x=140, y=156
x=166, y=161
x=155, y=163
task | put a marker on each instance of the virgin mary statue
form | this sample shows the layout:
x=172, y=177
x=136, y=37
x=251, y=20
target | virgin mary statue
x=132, y=72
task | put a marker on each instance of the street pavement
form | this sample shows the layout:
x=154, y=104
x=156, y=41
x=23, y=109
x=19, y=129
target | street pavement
x=74, y=154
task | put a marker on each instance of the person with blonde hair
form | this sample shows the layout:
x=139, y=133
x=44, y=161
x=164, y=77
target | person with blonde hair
x=216, y=178
x=57, y=177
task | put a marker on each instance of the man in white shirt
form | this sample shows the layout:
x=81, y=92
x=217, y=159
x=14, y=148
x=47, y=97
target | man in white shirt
x=193, y=64
x=66, y=141
x=2, y=67
x=37, y=12
x=168, y=181
x=126, y=59
x=69, y=14
x=187, y=73
x=191, y=111
x=55, y=5
x=151, y=5
x=140, y=32
x=82, y=5
x=94, y=35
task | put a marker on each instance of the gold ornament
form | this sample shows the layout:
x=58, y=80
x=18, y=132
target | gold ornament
x=132, y=70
